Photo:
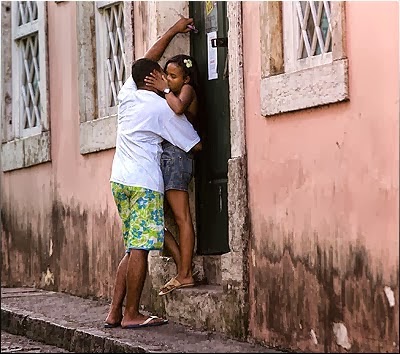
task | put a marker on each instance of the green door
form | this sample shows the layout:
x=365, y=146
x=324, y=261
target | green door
x=212, y=163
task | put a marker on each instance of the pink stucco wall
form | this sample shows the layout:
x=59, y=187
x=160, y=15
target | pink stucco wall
x=62, y=214
x=323, y=193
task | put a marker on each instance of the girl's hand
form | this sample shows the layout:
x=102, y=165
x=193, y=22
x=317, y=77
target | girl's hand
x=156, y=80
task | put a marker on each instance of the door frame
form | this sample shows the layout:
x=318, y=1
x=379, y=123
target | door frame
x=234, y=267
x=233, y=313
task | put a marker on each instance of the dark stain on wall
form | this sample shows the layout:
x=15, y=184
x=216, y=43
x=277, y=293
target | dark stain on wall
x=81, y=249
x=292, y=295
x=70, y=249
x=22, y=248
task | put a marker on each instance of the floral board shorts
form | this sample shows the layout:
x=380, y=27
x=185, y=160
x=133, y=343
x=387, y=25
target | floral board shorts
x=142, y=214
x=176, y=167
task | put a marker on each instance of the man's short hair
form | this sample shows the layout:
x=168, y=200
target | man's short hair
x=142, y=68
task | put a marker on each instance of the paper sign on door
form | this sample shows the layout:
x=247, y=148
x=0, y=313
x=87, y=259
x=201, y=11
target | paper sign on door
x=212, y=57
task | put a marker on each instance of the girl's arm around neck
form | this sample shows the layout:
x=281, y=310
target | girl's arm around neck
x=179, y=104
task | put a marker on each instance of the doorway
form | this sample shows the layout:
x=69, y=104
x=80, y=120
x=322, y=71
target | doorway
x=210, y=49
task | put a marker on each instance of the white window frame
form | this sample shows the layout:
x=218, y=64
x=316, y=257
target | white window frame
x=291, y=84
x=98, y=122
x=24, y=147
x=291, y=29
x=102, y=73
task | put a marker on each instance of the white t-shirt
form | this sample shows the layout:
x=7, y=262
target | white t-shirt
x=144, y=121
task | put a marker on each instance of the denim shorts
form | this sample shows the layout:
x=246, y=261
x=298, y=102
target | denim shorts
x=176, y=167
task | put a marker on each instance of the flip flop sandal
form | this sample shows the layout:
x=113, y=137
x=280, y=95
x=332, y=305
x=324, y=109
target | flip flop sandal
x=149, y=322
x=172, y=285
x=112, y=325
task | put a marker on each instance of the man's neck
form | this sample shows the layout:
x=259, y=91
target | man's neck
x=151, y=89
x=148, y=88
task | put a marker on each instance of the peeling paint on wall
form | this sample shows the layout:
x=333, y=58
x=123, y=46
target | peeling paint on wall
x=390, y=295
x=47, y=278
x=51, y=248
x=296, y=293
x=313, y=337
x=342, y=339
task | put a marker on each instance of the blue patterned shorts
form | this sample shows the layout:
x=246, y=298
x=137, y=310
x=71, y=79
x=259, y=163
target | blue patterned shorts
x=142, y=214
x=176, y=167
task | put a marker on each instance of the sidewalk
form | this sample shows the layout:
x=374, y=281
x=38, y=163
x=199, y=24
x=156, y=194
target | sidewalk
x=76, y=324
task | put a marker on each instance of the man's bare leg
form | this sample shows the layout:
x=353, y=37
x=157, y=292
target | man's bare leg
x=115, y=313
x=135, y=277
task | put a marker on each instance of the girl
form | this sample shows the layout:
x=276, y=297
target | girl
x=180, y=86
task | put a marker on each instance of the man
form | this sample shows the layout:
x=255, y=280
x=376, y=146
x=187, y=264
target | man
x=144, y=120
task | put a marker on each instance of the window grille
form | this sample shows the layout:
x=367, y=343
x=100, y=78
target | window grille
x=315, y=29
x=115, y=53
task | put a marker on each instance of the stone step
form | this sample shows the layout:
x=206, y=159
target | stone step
x=196, y=306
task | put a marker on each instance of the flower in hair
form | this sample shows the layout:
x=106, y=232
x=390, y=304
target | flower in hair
x=188, y=63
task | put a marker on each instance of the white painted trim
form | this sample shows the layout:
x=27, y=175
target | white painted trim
x=101, y=72
x=26, y=152
x=98, y=122
x=236, y=85
x=103, y=4
x=304, y=89
x=39, y=26
x=99, y=134
x=307, y=83
x=29, y=146
x=26, y=29
x=43, y=62
x=290, y=34
x=102, y=46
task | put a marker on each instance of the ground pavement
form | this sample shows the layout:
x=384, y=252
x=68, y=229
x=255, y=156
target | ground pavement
x=76, y=324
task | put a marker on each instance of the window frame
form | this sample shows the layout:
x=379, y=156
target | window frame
x=308, y=83
x=290, y=52
x=27, y=147
x=98, y=124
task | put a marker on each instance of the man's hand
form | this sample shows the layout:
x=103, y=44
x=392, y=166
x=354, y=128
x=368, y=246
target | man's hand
x=181, y=26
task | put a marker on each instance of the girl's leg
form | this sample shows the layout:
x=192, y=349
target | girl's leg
x=179, y=202
x=173, y=248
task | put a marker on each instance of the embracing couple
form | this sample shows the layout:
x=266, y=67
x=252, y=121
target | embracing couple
x=155, y=143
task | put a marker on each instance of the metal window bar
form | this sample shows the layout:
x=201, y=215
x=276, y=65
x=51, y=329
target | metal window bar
x=115, y=58
x=28, y=12
x=311, y=16
x=30, y=82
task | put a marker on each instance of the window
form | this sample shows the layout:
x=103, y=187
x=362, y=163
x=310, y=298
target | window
x=111, y=71
x=103, y=44
x=309, y=38
x=25, y=125
x=303, y=55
